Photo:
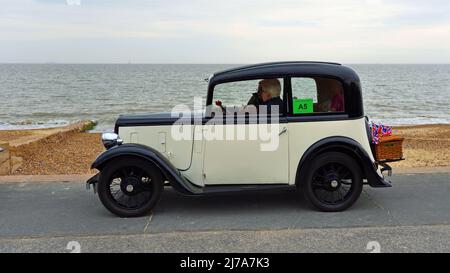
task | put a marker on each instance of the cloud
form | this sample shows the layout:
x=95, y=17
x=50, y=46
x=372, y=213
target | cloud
x=235, y=31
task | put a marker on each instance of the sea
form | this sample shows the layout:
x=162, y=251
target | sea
x=49, y=95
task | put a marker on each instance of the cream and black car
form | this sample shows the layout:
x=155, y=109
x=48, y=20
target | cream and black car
x=320, y=142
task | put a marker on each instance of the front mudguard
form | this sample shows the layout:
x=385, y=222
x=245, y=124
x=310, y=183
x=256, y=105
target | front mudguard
x=169, y=171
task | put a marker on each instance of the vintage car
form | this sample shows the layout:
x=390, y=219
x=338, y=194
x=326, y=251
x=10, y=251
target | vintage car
x=322, y=142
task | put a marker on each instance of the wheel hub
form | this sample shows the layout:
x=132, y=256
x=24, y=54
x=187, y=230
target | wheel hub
x=130, y=186
x=332, y=181
x=334, y=184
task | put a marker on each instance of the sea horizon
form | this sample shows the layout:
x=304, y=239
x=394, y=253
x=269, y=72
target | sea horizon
x=41, y=95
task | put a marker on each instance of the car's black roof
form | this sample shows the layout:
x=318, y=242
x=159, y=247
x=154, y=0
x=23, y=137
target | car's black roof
x=346, y=75
x=280, y=69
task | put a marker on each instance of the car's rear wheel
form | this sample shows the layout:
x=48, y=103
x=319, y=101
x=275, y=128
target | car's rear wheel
x=334, y=182
x=130, y=187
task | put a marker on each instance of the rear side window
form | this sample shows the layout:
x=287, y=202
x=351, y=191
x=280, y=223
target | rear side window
x=317, y=95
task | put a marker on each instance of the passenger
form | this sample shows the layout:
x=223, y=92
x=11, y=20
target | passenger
x=270, y=95
x=337, y=101
x=330, y=96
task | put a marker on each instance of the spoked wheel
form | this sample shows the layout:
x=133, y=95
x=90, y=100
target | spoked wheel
x=334, y=182
x=130, y=187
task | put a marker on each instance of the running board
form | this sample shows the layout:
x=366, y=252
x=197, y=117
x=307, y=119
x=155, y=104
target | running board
x=208, y=190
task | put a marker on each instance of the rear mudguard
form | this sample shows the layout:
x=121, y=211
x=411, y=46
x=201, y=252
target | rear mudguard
x=171, y=173
x=348, y=146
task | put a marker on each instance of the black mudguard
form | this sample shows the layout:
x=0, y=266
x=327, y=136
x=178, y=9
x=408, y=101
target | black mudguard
x=171, y=173
x=348, y=146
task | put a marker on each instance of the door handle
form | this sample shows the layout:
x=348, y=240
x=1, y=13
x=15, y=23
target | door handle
x=283, y=131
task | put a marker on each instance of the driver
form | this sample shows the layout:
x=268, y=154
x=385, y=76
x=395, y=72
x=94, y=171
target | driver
x=255, y=99
x=270, y=95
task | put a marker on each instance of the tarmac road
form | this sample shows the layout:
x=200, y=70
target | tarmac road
x=413, y=216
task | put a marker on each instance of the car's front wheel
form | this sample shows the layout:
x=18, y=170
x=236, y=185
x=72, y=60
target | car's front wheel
x=334, y=182
x=130, y=187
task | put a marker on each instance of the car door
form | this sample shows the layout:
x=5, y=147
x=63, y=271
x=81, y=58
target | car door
x=245, y=161
x=256, y=154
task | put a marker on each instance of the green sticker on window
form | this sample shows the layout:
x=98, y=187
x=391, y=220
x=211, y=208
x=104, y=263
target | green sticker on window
x=303, y=106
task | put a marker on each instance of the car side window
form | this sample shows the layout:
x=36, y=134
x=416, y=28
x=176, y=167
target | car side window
x=317, y=95
x=245, y=97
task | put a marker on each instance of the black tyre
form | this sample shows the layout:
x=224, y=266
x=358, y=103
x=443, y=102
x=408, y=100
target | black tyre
x=333, y=183
x=130, y=187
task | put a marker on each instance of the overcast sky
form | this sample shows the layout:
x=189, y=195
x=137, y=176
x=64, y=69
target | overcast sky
x=231, y=31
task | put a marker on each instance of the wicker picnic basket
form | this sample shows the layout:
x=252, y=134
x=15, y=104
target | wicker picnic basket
x=390, y=148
